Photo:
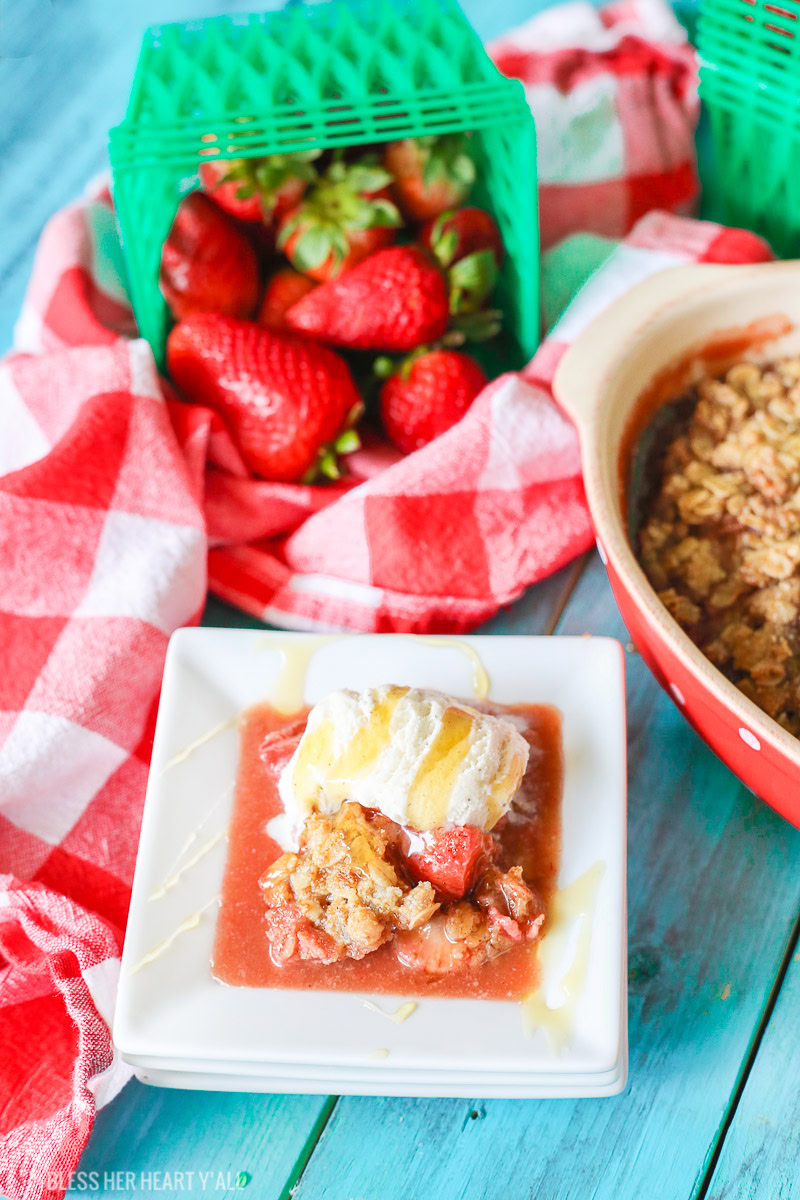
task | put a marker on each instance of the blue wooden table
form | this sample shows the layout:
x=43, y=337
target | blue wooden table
x=713, y=1104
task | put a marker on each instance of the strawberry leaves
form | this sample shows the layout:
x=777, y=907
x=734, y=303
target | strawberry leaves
x=327, y=460
x=446, y=157
x=472, y=281
x=350, y=198
x=265, y=177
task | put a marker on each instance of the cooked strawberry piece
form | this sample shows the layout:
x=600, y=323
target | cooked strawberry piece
x=317, y=945
x=451, y=859
x=395, y=301
x=430, y=949
x=282, y=926
x=509, y=926
x=207, y=264
x=506, y=894
x=279, y=746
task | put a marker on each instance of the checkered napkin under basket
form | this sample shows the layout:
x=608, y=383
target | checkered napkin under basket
x=111, y=491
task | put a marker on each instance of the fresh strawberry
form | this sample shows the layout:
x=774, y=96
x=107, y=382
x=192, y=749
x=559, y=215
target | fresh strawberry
x=259, y=189
x=430, y=392
x=283, y=290
x=459, y=232
x=451, y=859
x=347, y=216
x=287, y=402
x=467, y=243
x=207, y=264
x=395, y=300
x=430, y=174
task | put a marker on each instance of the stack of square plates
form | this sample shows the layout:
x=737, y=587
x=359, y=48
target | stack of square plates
x=181, y=1028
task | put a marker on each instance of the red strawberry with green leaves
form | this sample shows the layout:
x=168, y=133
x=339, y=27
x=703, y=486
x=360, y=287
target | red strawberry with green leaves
x=283, y=290
x=467, y=243
x=346, y=217
x=427, y=395
x=395, y=300
x=207, y=263
x=289, y=403
x=431, y=173
x=259, y=189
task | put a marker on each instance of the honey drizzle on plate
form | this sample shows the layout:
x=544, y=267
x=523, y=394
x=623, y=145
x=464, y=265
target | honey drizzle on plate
x=199, y=742
x=568, y=905
x=174, y=879
x=481, y=683
x=190, y=922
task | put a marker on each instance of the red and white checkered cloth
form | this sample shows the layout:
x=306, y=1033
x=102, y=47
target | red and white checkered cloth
x=111, y=492
x=614, y=96
x=106, y=487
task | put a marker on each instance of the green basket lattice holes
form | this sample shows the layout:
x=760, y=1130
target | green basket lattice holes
x=326, y=75
x=750, y=84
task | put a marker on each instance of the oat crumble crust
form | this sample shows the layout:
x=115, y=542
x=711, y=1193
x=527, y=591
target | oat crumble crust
x=720, y=542
x=343, y=895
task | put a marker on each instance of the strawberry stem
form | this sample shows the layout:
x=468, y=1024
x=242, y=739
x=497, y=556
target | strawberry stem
x=345, y=442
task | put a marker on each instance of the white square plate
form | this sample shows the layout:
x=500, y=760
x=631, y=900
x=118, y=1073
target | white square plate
x=174, y=1021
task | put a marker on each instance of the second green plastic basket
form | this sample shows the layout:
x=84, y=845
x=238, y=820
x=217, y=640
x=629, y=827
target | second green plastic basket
x=750, y=84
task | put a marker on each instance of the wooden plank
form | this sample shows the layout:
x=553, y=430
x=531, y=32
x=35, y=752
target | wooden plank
x=714, y=887
x=219, y=1134
x=761, y=1152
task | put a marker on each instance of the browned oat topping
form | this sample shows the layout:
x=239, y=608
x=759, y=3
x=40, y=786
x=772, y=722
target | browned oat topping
x=721, y=537
x=344, y=894
x=344, y=886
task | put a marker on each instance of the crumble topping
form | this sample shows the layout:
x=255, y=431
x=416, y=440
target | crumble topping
x=349, y=889
x=721, y=538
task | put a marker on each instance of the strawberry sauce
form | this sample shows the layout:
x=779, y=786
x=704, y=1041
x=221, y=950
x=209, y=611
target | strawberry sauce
x=531, y=837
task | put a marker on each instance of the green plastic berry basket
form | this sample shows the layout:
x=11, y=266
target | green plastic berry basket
x=750, y=84
x=324, y=75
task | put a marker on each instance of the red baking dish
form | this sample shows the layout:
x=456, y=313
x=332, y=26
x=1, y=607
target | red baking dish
x=634, y=357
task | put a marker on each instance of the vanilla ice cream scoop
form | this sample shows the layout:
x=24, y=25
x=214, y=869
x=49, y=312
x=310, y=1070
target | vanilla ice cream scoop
x=422, y=758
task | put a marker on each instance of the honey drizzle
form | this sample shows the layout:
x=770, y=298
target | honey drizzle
x=481, y=683
x=174, y=879
x=288, y=690
x=200, y=741
x=568, y=905
x=398, y=1016
x=429, y=794
x=190, y=922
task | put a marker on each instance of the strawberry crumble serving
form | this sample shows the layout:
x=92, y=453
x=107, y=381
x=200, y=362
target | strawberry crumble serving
x=420, y=840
